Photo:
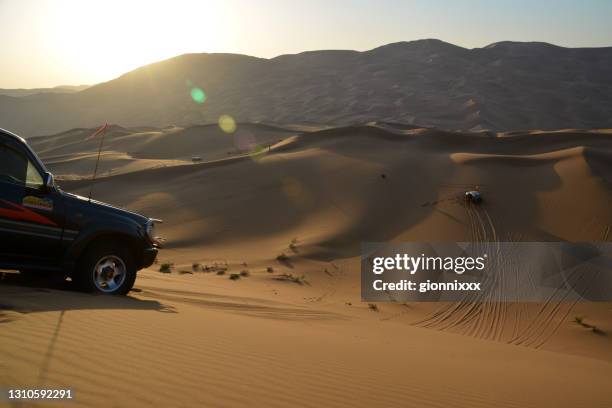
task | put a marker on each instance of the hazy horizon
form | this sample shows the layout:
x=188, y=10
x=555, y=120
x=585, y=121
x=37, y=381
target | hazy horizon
x=65, y=42
x=70, y=85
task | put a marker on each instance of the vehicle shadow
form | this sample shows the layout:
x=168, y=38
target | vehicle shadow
x=26, y=295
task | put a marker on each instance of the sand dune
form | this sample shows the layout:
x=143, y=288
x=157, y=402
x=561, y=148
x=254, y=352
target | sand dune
x=334, y=176
x=72, y=154
x=297, y=334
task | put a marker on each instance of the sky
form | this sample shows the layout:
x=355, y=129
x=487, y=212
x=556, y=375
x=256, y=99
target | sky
x=47, y=43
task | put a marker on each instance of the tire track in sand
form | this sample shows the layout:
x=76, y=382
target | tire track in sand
x=492, y=315
x=475, y=314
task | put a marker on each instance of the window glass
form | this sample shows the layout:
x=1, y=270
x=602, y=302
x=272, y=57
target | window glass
x=33, y=177
x=17, y=169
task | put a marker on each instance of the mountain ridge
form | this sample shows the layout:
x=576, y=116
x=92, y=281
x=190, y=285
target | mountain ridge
x=503, y=86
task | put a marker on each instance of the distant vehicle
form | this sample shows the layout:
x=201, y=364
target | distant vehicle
x=473, y=196
x=44, y=230
x=196, y=159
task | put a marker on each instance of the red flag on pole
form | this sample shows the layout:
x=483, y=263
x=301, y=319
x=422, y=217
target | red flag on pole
x=97, y=132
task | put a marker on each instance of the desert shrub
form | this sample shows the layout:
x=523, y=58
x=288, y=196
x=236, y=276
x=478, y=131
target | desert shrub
x=216, y=267
x=282, y=257
x=244, y=273
x=300, y=280
x=293, y=244
x=166, y=267
x=580, y=321
x=234, y=276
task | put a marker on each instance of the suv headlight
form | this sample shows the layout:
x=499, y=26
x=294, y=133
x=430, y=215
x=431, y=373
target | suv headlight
x=150, y=229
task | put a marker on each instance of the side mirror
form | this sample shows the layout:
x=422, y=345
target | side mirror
x=48, y=182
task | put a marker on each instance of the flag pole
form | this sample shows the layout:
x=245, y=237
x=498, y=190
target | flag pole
x=93, y=179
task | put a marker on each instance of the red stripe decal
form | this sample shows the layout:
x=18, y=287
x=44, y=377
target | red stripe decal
x=20, y=213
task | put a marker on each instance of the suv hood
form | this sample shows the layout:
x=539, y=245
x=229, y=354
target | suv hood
x=99, y=208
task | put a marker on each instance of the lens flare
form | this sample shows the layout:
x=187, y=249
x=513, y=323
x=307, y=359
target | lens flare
x=198, y=95
x=227, y=124
x=258, y=152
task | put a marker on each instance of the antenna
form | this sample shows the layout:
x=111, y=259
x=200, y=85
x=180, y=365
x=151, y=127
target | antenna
x=103, y=131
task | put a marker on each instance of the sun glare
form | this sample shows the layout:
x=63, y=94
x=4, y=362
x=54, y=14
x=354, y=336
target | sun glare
x=107, y=39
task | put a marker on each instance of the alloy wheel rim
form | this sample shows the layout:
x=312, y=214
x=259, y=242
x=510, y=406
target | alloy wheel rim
x=109, y=273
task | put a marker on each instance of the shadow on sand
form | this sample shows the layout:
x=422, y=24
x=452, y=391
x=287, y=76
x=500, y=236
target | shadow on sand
x=27, y=295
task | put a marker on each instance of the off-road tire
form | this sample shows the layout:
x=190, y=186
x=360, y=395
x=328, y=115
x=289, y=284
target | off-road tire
x=84, y=275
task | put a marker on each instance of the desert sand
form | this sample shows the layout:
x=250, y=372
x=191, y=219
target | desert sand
x=294, y=332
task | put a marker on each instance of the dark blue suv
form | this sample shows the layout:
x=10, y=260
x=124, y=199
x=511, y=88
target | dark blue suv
x=44, y=230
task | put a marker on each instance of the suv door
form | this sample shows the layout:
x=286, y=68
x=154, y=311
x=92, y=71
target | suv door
x=30, y=216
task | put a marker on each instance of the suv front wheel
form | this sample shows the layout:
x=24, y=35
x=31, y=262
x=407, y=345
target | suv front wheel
x=106, y=269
